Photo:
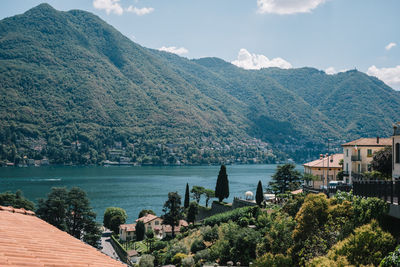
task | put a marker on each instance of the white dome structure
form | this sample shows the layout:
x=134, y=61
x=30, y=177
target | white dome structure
x=249, y=195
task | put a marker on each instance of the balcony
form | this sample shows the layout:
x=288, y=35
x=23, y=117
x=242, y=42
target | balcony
x=356, y=158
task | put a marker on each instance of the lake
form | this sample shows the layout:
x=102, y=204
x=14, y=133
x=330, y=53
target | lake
x=131, y=188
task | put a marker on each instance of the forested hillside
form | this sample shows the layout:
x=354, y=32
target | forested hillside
x=75, y=90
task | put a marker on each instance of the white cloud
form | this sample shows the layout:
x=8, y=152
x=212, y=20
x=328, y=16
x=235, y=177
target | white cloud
x=247, y=60
x=113, y=6
x=390, y=76
x=175, y=50
x=332, y=70
x=390, y=46
x=110, y=6
x=140, y=11
x=284, y=7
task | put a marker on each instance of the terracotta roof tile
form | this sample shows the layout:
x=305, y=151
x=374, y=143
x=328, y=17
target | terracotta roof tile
x=147, y=218
x=323, y=163
x=29, y=241
x=128, y=227
x=370, y=142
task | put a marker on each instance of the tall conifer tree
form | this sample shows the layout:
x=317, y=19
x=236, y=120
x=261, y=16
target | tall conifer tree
x=186, y=203
x=259, y=194
x=222, y=186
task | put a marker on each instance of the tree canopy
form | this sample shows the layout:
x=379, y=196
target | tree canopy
x=70, y=211
x=114, y=212
x=285, y=179
x=172, y=211
x=259, y=194
x=16, y=200
x=187, y=200
x=382, y=162
x=222, y=186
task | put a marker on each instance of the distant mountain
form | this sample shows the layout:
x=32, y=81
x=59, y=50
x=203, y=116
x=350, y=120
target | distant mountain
x=75, y=90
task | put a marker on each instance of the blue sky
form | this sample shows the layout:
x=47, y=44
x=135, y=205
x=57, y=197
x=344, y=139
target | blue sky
x=331, y=35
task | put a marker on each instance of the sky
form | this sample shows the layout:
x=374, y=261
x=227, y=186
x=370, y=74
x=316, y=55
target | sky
x=330, y=35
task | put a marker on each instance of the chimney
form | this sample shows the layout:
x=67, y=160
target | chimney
x=377, y=139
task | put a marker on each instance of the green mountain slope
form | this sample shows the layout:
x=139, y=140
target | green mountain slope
x=75, y=90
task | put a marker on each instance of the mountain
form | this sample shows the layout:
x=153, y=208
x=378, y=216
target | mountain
x=75, y=90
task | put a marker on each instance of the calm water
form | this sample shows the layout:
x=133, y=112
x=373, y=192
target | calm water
x=131, y=188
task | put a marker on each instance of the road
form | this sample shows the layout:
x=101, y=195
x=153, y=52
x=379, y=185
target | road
x=107, y=247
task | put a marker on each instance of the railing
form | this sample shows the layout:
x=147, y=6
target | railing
x=345, y=173
x=387, y=190
x=356, y=158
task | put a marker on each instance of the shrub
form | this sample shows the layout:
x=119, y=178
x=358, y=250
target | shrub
x=197, y=245
x=146, y=261
x=271, y=260
x=210, y=234
x=159, y=245
x=203, y=255
x=368, y=245
x=393, y=259
x=177, y=259
x=188, y=262
x=233, y=215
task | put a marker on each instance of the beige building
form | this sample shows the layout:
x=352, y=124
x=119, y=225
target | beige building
x=325, y=169
x=396, y=151
x=151, y=222
x=358, y=155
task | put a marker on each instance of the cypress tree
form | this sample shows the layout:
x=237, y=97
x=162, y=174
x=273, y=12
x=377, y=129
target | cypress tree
x=259, y=194
x=222, y=186
x=186, y=203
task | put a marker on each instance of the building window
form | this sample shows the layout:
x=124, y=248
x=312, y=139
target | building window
x=347, y=152
x=347, y=167
x=397, y=153
x=369, y=167
x=156, y=222
x=359, y=168
x=369, y=153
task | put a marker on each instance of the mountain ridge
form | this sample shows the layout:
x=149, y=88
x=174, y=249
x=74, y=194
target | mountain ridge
x=69, y=76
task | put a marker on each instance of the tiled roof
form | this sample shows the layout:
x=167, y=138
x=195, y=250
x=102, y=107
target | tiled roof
x=168, y=229
x=128, y=227
x=323, y=163
x=147, y=218
x=26, y=240
x=370, y=142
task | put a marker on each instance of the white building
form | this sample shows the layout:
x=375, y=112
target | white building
x=357, y=155
x=396, y=151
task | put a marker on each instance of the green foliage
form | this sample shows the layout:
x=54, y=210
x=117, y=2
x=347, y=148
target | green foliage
x=16, y=200
x=197, y=191
x=188, y=262
x=233, y=215
x=192, y=212
x=259, y=194
x=368, y=245
x=382, y=162
x=177, y=258
x=149, y=234
x=70, y=211
x=235, y=244
x=146, y=261
x=209, y=193
x=285, y=179
x=392, y=260
x=292, y=206
x=209, y=233
x=197, y=245
x=140, y=230
x=172, y=211
x=111, y=212
x=186, y=202
x=277, y=228
x=145, y=212
x=115, y=222
x=222, y=186
x=271, y=260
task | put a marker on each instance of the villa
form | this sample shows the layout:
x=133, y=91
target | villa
x=358, y=155
x=326, y=169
